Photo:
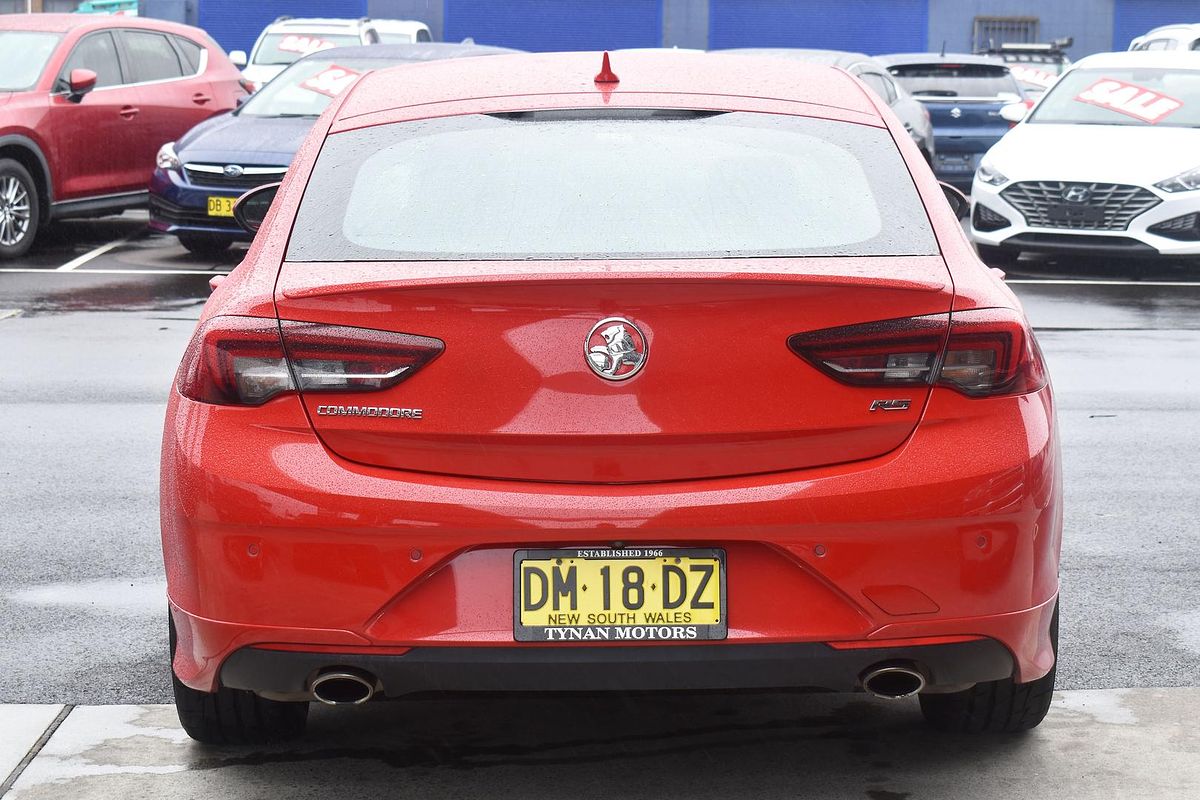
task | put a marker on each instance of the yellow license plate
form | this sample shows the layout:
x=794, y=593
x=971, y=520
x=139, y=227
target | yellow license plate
x=629, y=595
x=221, y=206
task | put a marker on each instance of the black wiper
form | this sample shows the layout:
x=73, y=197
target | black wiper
x=292, y=116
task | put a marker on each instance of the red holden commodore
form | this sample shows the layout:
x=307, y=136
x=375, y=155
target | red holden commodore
x=676, y=375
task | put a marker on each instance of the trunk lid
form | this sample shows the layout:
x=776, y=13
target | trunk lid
x=513, y=397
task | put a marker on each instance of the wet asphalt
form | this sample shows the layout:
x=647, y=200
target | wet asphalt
x=87, y=355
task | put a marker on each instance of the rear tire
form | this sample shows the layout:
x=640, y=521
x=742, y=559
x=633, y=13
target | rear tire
x=997, y=256
x=995, y=706
x=20, y=209
x=204, y=244
x=234, y=716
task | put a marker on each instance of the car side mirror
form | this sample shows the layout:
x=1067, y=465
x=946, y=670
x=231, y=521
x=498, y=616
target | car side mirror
x=958, y=201
x=79, y=83
x=1013, y=112
x=239, y=58
x=251, y=208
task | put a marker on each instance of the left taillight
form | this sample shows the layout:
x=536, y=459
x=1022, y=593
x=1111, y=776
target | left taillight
x=245, y=361
x=985, y=352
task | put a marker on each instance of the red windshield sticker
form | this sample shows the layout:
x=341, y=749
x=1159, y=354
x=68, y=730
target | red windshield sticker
x=1130, y=99
x=1033, y=75
x=304, y=45
x=330, y=81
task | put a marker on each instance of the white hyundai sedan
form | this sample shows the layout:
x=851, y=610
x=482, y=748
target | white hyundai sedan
x=1107, y=163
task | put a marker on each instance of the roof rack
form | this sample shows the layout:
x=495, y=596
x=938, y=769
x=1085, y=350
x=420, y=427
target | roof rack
x=1055, y=47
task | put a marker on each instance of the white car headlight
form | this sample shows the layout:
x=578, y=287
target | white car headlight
x=1183, y=182
x=166, y=158
x=990, y=175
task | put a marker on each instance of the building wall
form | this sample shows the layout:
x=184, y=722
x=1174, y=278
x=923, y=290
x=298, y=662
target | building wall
x=184, y=11
x=427, y=11
x=56, y=6
x=685, y=24
x=1090, y=22
x=1135, y=17
x=549, y=25
x=869, y=26
x=873, y=26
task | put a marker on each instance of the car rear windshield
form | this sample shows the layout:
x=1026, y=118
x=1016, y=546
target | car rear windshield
x=284, y=48
x=23, y=56
x=305, y=88
x=610, y=184
x=956, y=80
x=1167, y=98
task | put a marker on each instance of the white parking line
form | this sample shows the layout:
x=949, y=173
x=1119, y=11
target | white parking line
x=28, y=270
x=99, y=251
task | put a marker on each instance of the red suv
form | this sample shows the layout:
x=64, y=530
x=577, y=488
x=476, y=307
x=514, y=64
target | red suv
x=85, y=103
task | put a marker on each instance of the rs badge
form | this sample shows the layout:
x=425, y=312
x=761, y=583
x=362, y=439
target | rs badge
x=890, y=405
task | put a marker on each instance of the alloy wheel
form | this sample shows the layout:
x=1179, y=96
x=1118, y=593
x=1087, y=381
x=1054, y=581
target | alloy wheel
x=15, y=212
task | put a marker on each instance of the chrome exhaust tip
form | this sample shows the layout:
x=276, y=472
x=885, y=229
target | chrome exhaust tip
x=892, y=681
x=341, y=688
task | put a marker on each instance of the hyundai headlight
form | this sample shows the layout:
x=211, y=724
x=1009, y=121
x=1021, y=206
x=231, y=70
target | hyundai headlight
x=990, y=175
x=1183, y=182
x=166, y=158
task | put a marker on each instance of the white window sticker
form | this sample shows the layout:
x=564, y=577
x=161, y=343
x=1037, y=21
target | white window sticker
x=295, y=43
x=330, y=81
x=1130, y=99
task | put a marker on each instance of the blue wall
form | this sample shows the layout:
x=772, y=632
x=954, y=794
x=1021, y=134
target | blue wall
x=869, y=26
x=548, y=25
x=1090, y=22
x=872, y=26
x=1135, y=17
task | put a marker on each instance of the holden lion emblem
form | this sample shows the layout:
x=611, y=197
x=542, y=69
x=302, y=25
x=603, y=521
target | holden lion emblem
x=615, y=349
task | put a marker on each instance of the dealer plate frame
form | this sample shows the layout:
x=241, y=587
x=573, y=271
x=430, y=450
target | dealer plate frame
x=704, y=633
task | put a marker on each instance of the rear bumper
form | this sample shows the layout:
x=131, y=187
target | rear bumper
x=272, y=541
x=808, y=665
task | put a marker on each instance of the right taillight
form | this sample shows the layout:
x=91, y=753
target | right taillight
x=248, y=360
x=991, y=352
x=985, y=352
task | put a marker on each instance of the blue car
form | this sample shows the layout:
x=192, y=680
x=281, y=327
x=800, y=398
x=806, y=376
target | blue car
x=199, y=177
x=964, y=95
